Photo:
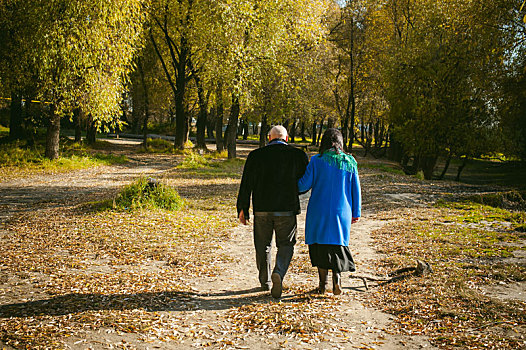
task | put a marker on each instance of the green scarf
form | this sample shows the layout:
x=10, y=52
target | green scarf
x=342, y=161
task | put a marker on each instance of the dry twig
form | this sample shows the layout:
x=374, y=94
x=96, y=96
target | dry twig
x=422, y=268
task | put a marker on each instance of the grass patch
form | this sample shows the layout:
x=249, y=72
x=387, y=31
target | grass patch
x=158, y=146
x=383, y=167
x=148, y=194
x=509, y=200
x=194, y=160
x=4, y=132
x=211, y=165
x=217, y=155
x=16, y=159
x=470, y=246
x=468, y=211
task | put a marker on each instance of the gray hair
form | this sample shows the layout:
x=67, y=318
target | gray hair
x=278, y=131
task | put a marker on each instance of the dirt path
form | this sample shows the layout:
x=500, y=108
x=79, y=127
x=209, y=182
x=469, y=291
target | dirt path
x=359, y=327
x=220, y=299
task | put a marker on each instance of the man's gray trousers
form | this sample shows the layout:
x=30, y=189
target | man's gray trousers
x=285, y=228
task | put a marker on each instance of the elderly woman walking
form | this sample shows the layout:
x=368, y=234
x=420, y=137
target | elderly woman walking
x=334, y=204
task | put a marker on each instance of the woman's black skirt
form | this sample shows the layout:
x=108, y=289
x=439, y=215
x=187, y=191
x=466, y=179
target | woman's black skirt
x=332, y=257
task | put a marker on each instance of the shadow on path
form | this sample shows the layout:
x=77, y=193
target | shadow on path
x=151, y=302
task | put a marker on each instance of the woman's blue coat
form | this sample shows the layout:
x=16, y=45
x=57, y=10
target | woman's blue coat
x=334, y=201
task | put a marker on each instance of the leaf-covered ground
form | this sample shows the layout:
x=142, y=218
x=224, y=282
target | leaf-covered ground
x=472, y=248
x=76, y=275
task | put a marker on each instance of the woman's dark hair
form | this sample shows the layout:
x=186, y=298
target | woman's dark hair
x=332, y=138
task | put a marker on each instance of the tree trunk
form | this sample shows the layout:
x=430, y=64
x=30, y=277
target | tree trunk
x=91, y=133
x=417, y=163
x=232, y=127
x=78, y=124
x=428, y=165
x=180, y=84
x=376, y=133
x=219, y=117
x=245, y=129
x=146, y=115
x=187, y=127
x=292, y=134
x=330, y=123
x=136, y=114
x=178, y=88
x=314, y=133
x=263, y=131
x=352, y=97
x=351, y=135
x=29, y=129
x=15, y=123
x=53, y=135
x=302, y=131
x=345, y=131
x=225, y=136
x=285, y=124
x=404, y=160
x=210, y=124
x=461, y=167
x=201, y=127
x=446, y=166
x=379, y=141
x=318, y=140
x=368, y=138
x=362, y=132
x=203, y=110
x=395, y=152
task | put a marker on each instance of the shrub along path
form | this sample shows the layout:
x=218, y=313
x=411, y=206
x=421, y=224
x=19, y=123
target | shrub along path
x=77, y=277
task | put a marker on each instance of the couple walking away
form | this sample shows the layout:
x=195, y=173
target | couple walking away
x=274, y=176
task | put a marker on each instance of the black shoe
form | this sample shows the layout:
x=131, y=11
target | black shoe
x=265, y=287
x=277, y=287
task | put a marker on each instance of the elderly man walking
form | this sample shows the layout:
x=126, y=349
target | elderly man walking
x=270, y=176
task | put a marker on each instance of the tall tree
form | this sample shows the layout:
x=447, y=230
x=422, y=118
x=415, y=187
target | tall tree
x=80, y=54
x=440, y=56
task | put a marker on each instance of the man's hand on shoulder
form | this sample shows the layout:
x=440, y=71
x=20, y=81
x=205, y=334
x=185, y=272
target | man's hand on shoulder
x=242, y=218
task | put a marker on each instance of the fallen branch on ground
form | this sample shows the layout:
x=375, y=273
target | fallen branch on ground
x=421, y=268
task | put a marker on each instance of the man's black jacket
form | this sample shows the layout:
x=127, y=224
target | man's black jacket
x=271, y=176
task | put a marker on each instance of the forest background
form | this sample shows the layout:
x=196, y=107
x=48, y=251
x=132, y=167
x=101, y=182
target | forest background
x=417, y=81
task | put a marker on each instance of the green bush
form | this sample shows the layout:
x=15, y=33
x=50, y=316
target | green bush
x=158, y=146
x=148, y=194
x=217, y=155
x=13, y=155
x=194, y=160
